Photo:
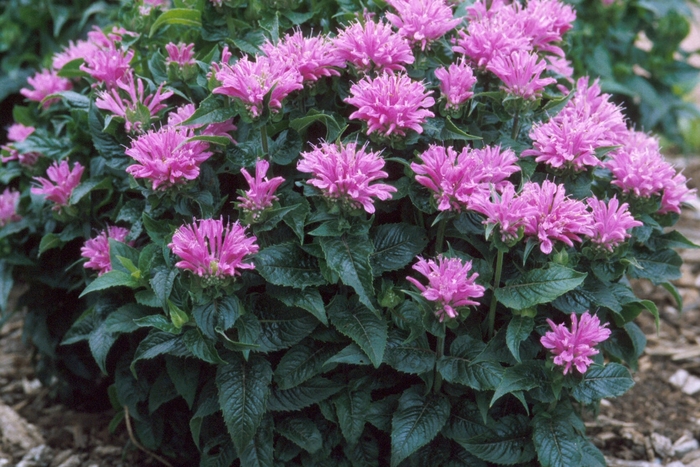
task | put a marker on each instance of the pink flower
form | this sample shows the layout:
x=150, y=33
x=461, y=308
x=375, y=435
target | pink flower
x=576, y=346
x=344, y=173
x=96, y=250
x=422, y=21
x=506, y=211
x=373, y=46
x=74, y=50
x=250, y=82
x=611, y=222
x=456, y=84
x=209, y=248
x=9, y=200
x=557, y=217
x=544, y=22
x=60, y=184
x=675, y=193
x=495, y=165
x=108, y=65
x=449, y=284
x=166, y=157
x=45, y=83
x=311, y=57
x=18, y=132
x=520, y=72
x=391, y=103
x=184, y=112
x=131, y=108
x=260, y=194
x=589, y=121
x=180, y=54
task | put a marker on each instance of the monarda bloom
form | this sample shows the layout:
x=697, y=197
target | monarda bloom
x=180, y=54
x=74, y=50
x=520, y=72
x=60, y=183
x=456, y=83
x=184, y=112
x=390, y=104
x=373, y=46
x=166, y=157
x=249, y=82
x=505, y=210
x=131, y=108
x=108, y=65
x=96, y=250
x=611, y=221
x=556, y=216
x=45, y=83
x=449, y=285
x=575, y=347
x=422, y=21
x=17, y=133
x=311, y=57
x=211, y=249
x=544, y=22
x=261, y=192
x=9, y=200
x=344, y=174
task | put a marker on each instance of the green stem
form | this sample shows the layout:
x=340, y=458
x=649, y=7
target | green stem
x=496, y=283
x=440, y=351
x=440, y=236
x=516, y=125
x=263, y=136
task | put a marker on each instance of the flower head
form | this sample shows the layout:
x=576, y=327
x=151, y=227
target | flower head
x=9, y=200
x=390, y=104
x=60, y=184
x=108, y=65
x=611, y=222
x=182, y=113
x=96, y=250
x=371, y=46
x=422, y=21
x=456, y=83
x=520, y=72
x=45, y=83
x=180, y=54
x=311, y=57
x=261, y=191
x=345, y=173
x=250, y=82
x=557, y=217
x=449, y=284
x=74, y=51
x=505, y=210
x=209, y=248
x=166, y=157
x=575, y=347
x=18, y=132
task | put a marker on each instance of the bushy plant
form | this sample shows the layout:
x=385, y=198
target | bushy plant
x=374, y=238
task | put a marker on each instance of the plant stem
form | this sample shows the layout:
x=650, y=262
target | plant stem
x=440, y=236
x=516, y=125
x=263, y=137
x=496, y=283
x=440, y=351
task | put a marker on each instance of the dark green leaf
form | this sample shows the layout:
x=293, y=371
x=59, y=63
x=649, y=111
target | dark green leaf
x=519, y=329
x=349, y=257
x=361, y=325
x=538, y=286
x=184, y=373
x=659, y=266
x=351, y=408
x=158, y=343
x=222, y=312
x=396, y=245
x=110, y=279
x=301, y=431
x=414, y=357
x=303, y=395
x=201, y=347
x=183, y=16
x=508, y=443
x=281, y=327
x=521, y=377
x=556, y=441
x=302, y=362
x=259, y=452
x=308, y=299
x=286, y=264
x=599, y=382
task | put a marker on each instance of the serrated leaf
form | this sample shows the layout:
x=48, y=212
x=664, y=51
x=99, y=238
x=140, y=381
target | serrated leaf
x=361, y=325
x=213, y=109
x=183, y=16
x=349, y=257
x=162, y=282
x=110, y=279
x=519, y=328
x=281, y=327
x=508, y=443
x=658, y=266
x=352, y=355
x=396, y=245
x=417, y=420
x=201, y=347
x=599, y=382
x=303, y=395
x=462, y=366
x=158, y=343
x=556, y=442
x=521, y=377
x=184, y=373
x=243, y=391
x=539, y=286
x=122, y=319
x=288, y=265
x=308, y=299
x=301, y=431
x=302, y=362
x=414, y=357
x=351, y=408
x=221, y=313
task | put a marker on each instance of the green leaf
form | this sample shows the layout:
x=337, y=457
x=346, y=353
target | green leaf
x=519, y=328
x=162, y=283
x=452, y=131
x=222, y=312
x=201, y=347
x=414, y=357
x=352, y=355
x=599, y=382
x=286, y=264
x=100, y=343
x=184, y=16
x=260, y=451
x=658, y=266
x=521, y=377
x=158, y=343
x=509, y=442
x=158, y=322
x=396, y=245
x=351, y=408
x=538, y=286
x=417, y=420
x=308, y=299
x=362, y=326
x=184, y=373
x=301, y=431
x=462, y=366
x=110, y=279
x=333, y=128
x=50, y=241
x=302, y=362
x=281, y=327
x=303, y=395
x=556, y=441
x=243, y=391
x=349, y=257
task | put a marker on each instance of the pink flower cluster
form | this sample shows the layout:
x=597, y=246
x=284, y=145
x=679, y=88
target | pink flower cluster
x=344, y=173
x=449, y=285
x=589, y=121
x=9, y=200
x=166, y=157
x=261, y=192
x=505, y=210
x=611, y=221
x=575, y=347
x=107, y=62
x=390, y=104
x=373, y=46
x=211, y=249
x=45, y=83
x=311, y=57
x=184, y=112
x=60, y=183
x=17, y=133
x=456, y=83
x=422, y=21
x=457, y=179
x=520, y=72
x=96, y=250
